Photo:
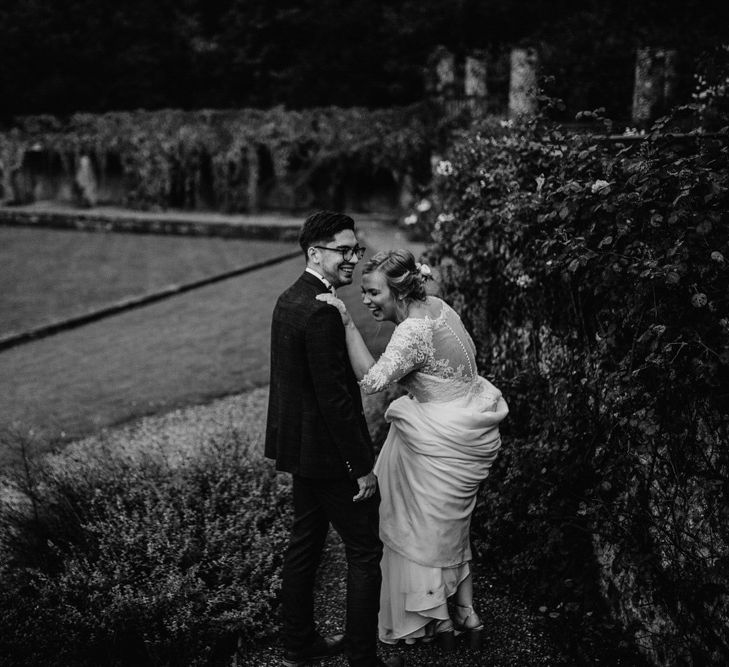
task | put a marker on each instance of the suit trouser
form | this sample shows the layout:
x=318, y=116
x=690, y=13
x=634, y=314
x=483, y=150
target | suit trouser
x=317, y=503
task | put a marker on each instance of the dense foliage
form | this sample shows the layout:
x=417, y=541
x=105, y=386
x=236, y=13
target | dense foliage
x=229, y=160
x=78, y=55
x=142, y=562
x=594, y=277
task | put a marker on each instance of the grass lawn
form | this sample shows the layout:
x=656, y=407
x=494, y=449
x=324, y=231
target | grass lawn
x=48, y=274
x=186, y=349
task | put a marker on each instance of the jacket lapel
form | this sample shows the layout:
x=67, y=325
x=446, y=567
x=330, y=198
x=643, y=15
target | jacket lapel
x=313, y=281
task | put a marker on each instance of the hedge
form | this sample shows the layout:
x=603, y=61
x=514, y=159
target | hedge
x=594, y=278
x=113, y=561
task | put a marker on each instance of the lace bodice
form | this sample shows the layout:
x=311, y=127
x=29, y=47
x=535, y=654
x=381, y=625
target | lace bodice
x=432, y=357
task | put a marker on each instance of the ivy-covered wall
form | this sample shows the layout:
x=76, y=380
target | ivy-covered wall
x=594, y=277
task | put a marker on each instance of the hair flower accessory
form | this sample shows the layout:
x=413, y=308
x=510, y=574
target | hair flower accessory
x=423, y=270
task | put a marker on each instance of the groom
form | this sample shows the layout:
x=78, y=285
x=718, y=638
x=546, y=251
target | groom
x=316, y=431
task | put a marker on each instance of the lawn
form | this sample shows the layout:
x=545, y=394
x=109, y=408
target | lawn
x=49, y=274
x=187, y=349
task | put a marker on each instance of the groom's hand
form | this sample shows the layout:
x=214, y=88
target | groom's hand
x=367, y=486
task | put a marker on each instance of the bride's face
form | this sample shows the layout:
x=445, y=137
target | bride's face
x=376, y=295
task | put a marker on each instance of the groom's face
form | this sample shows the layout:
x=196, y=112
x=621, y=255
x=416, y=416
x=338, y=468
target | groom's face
x=331, y=263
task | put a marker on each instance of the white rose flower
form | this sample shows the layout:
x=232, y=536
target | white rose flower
x=444, y=168
x=599, y=185
x=423, y=269
x=423, y=205
x=411, y=219
x=699, y=300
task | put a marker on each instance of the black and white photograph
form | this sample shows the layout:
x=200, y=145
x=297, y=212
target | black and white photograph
x=360, y=333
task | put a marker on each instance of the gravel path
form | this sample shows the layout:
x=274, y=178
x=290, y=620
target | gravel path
x=515, y=636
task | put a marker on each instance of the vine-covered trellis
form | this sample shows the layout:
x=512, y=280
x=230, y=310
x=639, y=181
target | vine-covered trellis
x=229, y=160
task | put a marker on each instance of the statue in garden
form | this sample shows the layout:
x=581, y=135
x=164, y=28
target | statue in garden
x=12, y=154
x=85, y=182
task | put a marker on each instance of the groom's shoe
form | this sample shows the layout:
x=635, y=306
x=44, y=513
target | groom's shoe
x=395, y=661
x=323, y=647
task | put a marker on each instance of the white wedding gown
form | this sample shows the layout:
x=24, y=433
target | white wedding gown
x=442, y=441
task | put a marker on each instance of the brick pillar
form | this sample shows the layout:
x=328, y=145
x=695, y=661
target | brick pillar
x=474, y=84
x=654, y=89
x=445, y=74
x=523, y=82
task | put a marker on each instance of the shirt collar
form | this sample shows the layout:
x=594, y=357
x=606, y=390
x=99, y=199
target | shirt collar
x=327, y=284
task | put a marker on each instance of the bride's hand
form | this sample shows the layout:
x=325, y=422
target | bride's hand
x=338, y=304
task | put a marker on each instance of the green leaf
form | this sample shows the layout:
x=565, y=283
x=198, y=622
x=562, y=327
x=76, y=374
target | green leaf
x=704, y=227
x=605, y=242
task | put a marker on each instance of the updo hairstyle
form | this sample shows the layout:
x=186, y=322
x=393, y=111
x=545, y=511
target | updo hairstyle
x=402, y=274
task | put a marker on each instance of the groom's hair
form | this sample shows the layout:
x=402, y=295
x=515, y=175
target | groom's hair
x=320, y=227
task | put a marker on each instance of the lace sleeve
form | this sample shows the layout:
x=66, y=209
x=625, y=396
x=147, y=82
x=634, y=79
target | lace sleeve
x=409, y=348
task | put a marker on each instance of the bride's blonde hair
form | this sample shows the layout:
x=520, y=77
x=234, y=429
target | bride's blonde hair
x=401, y=272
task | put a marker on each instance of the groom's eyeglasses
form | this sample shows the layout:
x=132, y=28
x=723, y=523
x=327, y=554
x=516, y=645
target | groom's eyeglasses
x=347, y=251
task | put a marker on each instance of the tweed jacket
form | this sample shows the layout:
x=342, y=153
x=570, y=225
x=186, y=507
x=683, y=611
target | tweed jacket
x=316, y=425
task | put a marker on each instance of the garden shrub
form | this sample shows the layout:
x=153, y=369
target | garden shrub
x=114, y=562
x=594, y=278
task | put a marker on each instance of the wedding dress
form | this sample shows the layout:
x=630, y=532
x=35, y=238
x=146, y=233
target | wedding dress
x=442, y=441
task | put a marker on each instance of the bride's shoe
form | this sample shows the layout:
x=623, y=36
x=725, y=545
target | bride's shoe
x=437, y=631
x=445, y=635
x=467, y=621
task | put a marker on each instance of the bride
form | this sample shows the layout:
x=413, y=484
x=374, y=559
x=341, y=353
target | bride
x=442, y=441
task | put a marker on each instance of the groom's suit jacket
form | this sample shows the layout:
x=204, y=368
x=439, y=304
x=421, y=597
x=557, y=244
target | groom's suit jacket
x=316, y=426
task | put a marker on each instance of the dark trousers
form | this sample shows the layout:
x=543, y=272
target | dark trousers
x=317, y=503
